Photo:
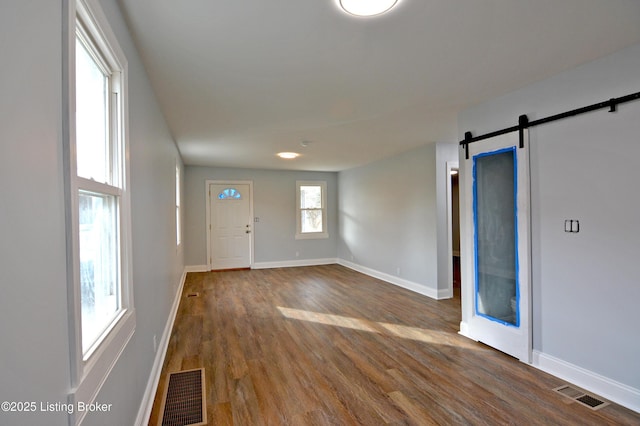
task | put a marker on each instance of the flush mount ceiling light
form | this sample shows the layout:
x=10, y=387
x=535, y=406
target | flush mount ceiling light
x=367, y=7
x=288, y=155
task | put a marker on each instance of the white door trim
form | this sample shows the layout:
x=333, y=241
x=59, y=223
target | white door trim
x=208, y=196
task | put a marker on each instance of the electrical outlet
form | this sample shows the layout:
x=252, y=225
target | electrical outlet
x=155, y=344
x=398, y=271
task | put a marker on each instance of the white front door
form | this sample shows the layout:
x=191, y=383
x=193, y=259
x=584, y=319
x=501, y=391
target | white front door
x=230, y=225
x=496, y=295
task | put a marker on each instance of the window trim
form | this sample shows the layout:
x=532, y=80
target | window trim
x=325, y=228
x=90, y=370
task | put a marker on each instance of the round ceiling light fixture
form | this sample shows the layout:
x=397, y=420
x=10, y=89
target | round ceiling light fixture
x=367, y=7
x=288, y=155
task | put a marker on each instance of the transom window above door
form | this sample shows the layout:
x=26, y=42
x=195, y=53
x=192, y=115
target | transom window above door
x=230, y=194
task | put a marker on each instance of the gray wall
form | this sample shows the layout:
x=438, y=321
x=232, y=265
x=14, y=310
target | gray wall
x=389, y=216
x=34, y=361
x=585, y=285
x=274, y=196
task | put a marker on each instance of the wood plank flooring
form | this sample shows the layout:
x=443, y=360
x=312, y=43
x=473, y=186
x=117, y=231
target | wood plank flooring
x=325, y=345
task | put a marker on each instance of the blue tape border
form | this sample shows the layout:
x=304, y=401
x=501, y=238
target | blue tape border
x=513, y=150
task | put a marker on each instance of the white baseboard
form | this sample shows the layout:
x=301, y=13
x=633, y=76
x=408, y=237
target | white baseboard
x=294, y=263
x=445, y=293
x=196, y=268
x=400, y=282
x=154, y=377
x=464, y=330
x=602, y=386
x=269, y=265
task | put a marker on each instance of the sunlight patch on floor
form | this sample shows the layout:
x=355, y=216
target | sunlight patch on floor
x=327, y=319
x=429, y=336
x=412, y=333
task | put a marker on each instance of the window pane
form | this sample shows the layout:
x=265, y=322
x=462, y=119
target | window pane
x=311, y=221
x=99, y=265
x=177, y=186
x=230, y=194
x=178, y=231
x=310, y=197
x=92, y=134
x=495, y=217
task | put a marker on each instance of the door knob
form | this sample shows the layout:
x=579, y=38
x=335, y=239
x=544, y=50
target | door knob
x=247, y=231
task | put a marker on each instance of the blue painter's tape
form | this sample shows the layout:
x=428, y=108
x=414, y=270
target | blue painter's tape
x=512, y=150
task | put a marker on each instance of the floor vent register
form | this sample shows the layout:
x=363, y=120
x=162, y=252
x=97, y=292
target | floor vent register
x=183, y=403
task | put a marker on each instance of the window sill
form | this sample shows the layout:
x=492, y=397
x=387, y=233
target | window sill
x=312, y=236
x=97, y=367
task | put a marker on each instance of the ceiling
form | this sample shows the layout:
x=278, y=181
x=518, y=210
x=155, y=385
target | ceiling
x=239, y=81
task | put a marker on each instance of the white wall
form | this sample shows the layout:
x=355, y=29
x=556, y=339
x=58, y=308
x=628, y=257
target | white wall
x=585, y=285
x=34, y=360
x=274, y=198
x=389, y=217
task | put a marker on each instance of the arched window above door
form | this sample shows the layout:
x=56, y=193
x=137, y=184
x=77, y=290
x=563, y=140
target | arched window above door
x=229, y=194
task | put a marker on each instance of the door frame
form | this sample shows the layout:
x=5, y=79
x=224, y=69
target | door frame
x=208, y=229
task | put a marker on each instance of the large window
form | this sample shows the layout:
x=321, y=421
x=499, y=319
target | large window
x=99, y=188
x=311, y=202
x=178, y=220
x=102, y=319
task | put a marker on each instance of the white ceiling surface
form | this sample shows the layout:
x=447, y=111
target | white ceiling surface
x=240, y=80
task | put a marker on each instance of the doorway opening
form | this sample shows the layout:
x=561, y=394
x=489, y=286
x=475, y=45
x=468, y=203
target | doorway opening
x=455, y=229
x=453, y=213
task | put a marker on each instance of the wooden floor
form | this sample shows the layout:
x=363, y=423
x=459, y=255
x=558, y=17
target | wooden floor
x=328, y=346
